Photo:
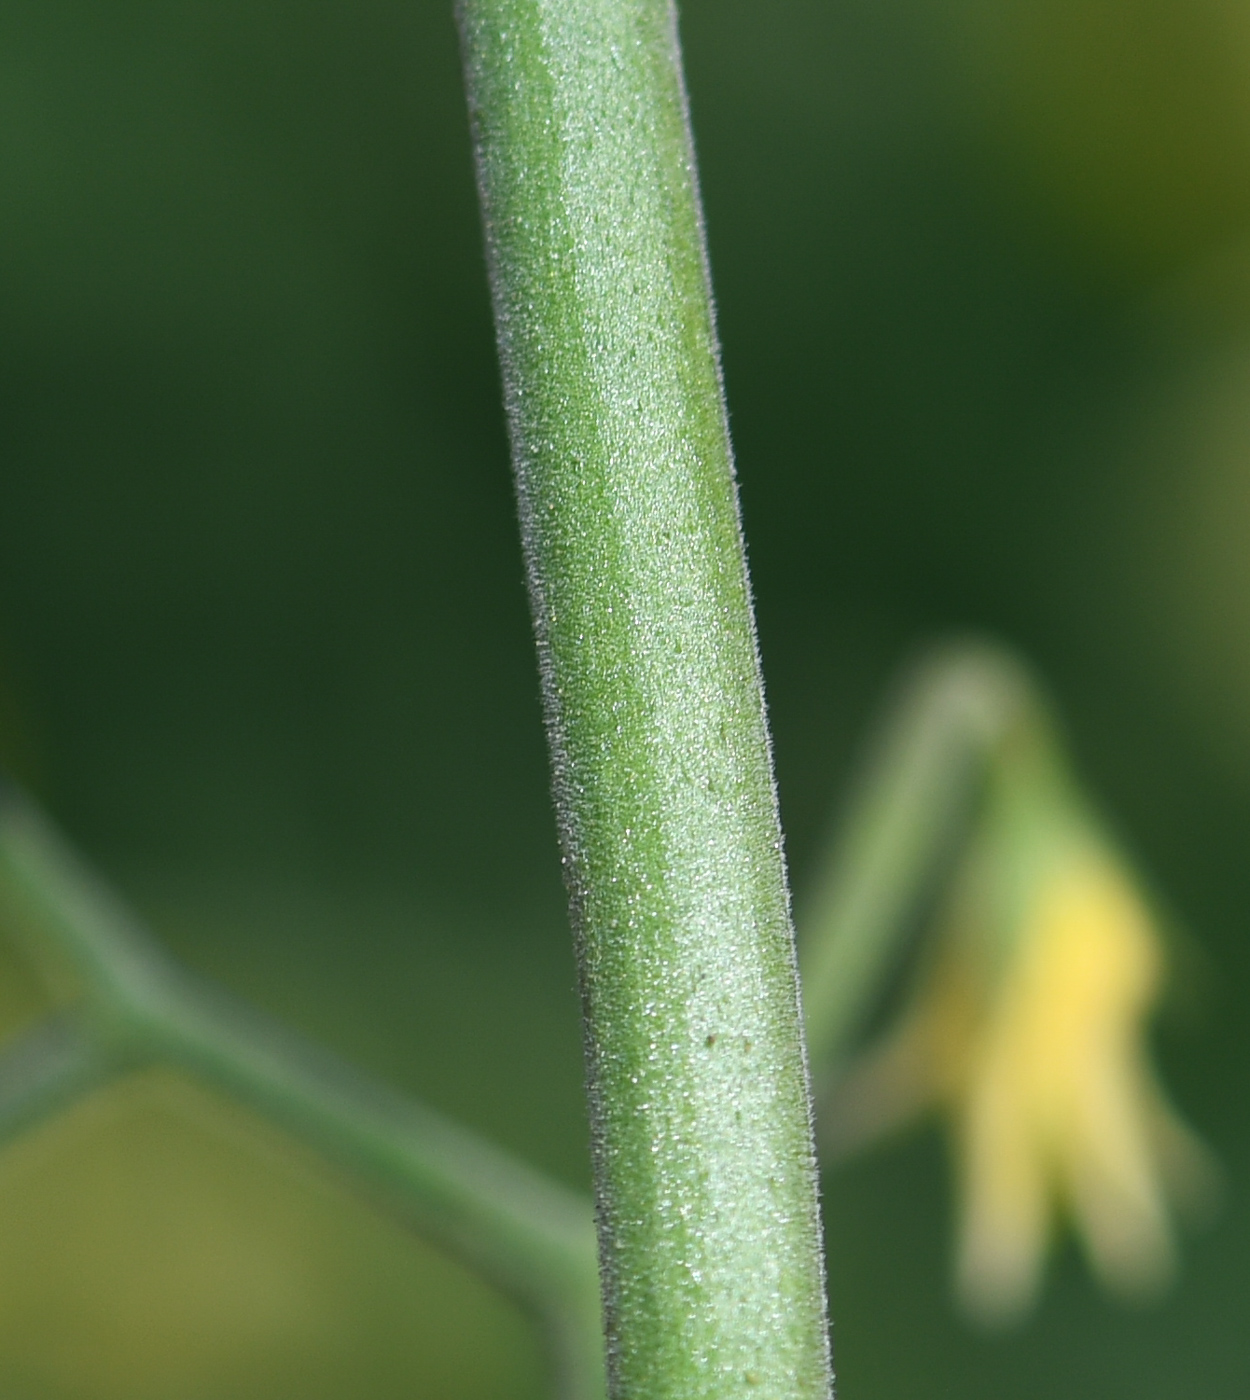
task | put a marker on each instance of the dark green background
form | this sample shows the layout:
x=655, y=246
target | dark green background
x=263, y=638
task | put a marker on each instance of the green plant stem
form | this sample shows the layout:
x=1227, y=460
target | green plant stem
x=532, y=1238
x=705, y=1175
x=909, y=811
x=45, y=1069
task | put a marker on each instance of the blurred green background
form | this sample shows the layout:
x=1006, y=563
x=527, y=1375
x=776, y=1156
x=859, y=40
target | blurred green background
x=983, y=270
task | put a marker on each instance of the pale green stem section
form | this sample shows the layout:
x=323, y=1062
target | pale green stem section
x=46, y=1069
x=910, y=810
x=705, y=1175
x=530, y=1237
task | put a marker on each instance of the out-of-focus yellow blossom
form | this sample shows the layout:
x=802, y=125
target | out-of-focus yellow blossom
x=1028, y=1033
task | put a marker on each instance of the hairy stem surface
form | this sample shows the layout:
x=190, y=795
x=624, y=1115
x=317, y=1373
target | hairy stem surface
x=709, y=1234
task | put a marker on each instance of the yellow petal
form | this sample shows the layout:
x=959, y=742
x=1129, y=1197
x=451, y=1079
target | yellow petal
x=1005, y=1200
x=1094, y=971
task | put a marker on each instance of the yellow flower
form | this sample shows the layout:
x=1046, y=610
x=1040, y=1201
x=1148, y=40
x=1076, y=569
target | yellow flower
x=1028, y=1033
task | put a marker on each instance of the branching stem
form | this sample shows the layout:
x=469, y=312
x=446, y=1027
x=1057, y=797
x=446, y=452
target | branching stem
x=529, y=1236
